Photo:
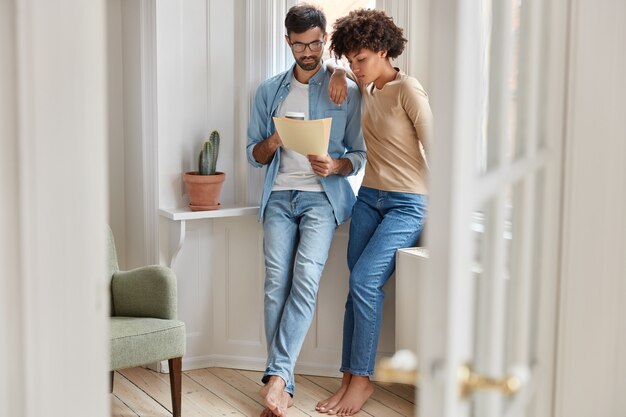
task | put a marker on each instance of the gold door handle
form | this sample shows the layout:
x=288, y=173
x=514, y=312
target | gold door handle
x=470, y=381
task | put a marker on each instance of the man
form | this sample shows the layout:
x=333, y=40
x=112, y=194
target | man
x=304, y=198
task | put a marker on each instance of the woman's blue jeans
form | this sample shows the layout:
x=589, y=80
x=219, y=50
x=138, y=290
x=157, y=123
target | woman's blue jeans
x=298, y=229
x=382, y=222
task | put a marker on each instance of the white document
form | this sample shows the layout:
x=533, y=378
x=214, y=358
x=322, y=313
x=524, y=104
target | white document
x=307, y=137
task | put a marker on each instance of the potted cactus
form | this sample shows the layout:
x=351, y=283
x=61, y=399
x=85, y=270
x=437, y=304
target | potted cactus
x=205, y=185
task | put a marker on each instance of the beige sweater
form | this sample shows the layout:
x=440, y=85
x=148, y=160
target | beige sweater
x=397, y=127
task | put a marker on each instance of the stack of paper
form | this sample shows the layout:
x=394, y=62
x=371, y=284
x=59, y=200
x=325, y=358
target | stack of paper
x=307, y=137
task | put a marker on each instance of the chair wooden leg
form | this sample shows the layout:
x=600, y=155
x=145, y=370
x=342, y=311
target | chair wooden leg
x=112, y=378
x=175, y=384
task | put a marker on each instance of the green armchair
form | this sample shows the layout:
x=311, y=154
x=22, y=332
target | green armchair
x=143, y=325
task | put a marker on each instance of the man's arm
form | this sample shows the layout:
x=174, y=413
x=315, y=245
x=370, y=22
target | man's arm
x=264, y=151
x=353, y=137
x=260, y=149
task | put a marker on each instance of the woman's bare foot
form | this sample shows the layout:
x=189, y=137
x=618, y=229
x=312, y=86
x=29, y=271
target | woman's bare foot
x=327, y=404
x=276, y=399
x=359, y=390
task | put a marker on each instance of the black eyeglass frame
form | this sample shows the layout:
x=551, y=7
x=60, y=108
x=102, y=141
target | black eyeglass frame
x=301, y=47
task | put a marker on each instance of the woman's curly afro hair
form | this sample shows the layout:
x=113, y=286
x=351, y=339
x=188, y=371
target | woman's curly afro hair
x=366, y=29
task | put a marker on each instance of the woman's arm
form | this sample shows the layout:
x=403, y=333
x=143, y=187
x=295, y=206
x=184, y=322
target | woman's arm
x=415, y=103
x=338, y=86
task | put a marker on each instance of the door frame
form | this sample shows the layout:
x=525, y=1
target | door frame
x=451, y=205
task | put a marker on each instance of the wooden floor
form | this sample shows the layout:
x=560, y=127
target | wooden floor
x=230, y=392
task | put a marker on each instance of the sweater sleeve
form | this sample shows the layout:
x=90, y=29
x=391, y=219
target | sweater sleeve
x=415, y=103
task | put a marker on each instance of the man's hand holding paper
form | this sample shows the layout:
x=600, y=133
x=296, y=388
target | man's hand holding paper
x=307, y=137
x=323, y=165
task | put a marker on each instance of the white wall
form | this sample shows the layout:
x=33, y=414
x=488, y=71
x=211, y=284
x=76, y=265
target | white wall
x=53, y=291
x=196, y=91
x=591, y=371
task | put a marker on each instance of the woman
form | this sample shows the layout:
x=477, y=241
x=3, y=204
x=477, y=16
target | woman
x=391, y=206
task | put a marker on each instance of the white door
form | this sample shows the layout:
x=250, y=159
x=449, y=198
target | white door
x=485, y=334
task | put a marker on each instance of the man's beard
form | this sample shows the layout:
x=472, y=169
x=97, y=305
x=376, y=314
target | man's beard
x=311, y=65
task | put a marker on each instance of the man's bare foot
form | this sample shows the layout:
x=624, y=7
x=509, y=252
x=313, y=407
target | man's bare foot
x=330, y=402
x=267, y=413
x=263, y=392
x=276, y=399
x=359, y=390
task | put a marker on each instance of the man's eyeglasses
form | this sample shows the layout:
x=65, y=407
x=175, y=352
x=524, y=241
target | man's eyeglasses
x=314, y=46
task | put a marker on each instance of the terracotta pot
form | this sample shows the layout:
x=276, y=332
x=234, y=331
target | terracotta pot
x=204, y=190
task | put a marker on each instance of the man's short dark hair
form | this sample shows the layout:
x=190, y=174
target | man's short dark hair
x=303, y=17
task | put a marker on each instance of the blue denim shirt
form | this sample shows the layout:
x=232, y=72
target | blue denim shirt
x=346, y=138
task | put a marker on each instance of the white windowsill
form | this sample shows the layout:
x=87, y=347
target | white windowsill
x=179, y=214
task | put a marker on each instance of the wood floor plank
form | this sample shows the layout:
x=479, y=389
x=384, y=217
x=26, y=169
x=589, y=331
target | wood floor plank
x=311, y=387
x=234, y=377
x=254, y=376
x=137, y=400
x=393, y=401
x=246, y=385
x=404, y=391
x=235, y=396
x=119, y=409
x=140, y=392
x=328, y=383
x=198, y=401
x=149, y=382
x=205, y=401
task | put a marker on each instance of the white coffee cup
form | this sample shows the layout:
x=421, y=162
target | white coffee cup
x=294, y=115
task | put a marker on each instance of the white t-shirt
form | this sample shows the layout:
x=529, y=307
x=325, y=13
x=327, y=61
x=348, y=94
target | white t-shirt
x=295, y=172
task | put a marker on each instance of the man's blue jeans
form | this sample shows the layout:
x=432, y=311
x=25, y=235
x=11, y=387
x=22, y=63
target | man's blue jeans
x=382, y=223
x=298, y=229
